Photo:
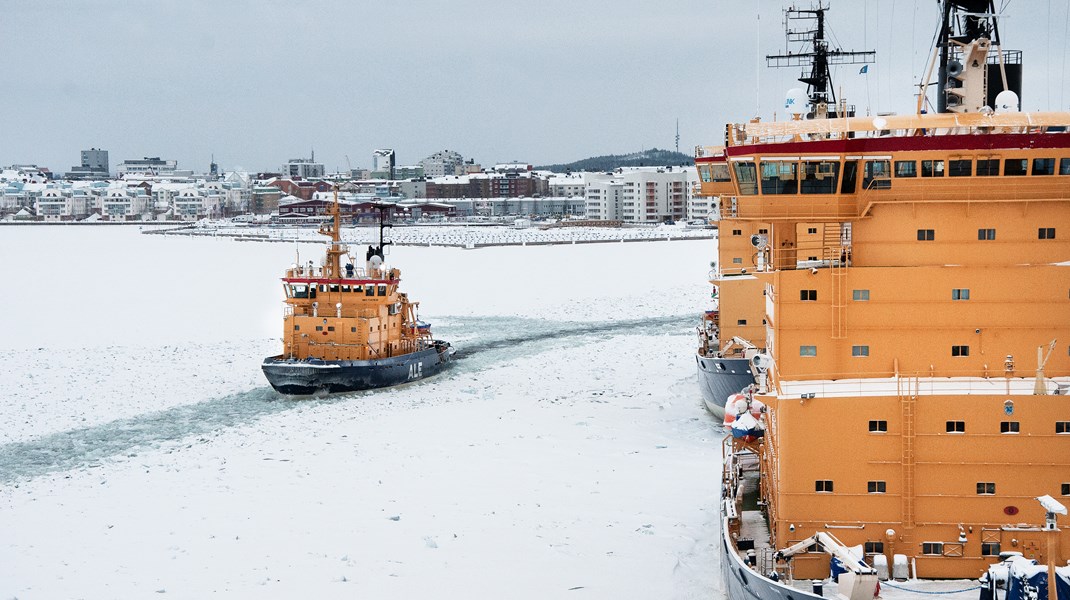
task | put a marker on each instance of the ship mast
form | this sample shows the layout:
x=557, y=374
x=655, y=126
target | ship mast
x=807, y=26
x=971, y=56
x=337, y=249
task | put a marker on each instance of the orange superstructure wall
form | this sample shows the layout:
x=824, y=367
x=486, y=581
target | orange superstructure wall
x=890, y=235
x=910, y=319
x=947, y=468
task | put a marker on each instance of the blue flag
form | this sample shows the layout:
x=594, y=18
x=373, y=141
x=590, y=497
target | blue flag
x=863, y=70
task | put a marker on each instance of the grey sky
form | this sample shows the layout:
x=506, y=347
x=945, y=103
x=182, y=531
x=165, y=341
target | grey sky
x=257, y=82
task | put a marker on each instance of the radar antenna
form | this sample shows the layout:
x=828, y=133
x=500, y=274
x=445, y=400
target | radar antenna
x=807, y=26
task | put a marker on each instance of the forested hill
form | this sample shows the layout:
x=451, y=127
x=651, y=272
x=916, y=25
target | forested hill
x=646, y=158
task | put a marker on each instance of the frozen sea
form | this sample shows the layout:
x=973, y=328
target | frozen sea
x=566, y=453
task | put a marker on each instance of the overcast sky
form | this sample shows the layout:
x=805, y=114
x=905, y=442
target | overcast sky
x=257, y=82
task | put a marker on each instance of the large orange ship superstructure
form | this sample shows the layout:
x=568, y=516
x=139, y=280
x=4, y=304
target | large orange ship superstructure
x=350, y=328
x=911, y=278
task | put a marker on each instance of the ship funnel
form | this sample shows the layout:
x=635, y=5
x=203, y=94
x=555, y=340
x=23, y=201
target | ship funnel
x=796, y=102
x=1006, y=102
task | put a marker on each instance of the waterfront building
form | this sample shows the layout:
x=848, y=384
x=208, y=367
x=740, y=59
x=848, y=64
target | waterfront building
x=94, y=166
x=383, y=164
x=408, y=172
x=303, y=168
x=565, y=185
x=441, y=164
x=153, y=165
x=603, y=196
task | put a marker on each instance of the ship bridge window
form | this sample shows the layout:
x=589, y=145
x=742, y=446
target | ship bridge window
x=850, y=177
x=720, y=173
x=357, y=289
x=906, y=168
x=369, y=291
x=302, y=291
x=820, y=177
x=746, y=177
x=705, y=172
x=1043, y=166
x=932, y=168
x=877, y=175
x=779, y=177
x=1064, y=166
x=987, y=167
x=345, y=289
x=960, y=168
x=382, y=290
x=334, y=288
x=1015, y=166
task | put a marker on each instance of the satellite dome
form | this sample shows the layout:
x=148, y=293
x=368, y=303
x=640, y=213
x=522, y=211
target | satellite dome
x=796, y=102
x=1006, y=102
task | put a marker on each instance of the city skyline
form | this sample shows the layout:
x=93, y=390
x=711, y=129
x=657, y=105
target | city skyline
x=255, y=84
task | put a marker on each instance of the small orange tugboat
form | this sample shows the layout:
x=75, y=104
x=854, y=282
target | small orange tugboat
x=348, y=328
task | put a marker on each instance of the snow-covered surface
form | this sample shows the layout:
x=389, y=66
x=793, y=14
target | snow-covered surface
x=455, y=235
x=888, y=386
x=566, y=454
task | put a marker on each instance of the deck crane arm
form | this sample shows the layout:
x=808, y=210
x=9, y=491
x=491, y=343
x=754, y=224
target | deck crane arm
x=832, y=546
x=860, y=580
x=737, y=341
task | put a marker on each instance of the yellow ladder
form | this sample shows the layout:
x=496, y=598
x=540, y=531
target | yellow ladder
x=835, y=254
x=908, y=395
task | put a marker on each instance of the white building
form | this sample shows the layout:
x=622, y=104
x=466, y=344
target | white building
x=153, y=165
x=566, y=186
x=383, y=164
x=304, y=168
x=440, y=164
x=603, y=196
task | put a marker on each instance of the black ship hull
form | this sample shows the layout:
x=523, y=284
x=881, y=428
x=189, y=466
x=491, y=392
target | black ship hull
x=306, y=377
x=719, y=378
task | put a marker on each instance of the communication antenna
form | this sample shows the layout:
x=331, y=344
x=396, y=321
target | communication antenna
x=678, y=135
x=806, y=26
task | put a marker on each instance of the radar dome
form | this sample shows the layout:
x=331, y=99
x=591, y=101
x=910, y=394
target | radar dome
x=1006, y=102
x=376, y=261
x=796, y=102
x=880, y=122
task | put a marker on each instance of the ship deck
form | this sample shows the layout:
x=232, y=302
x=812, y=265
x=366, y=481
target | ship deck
x=753, y=526
x=927, y=386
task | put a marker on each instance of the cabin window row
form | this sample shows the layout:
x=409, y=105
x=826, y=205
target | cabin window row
x=955, y=549
x=872, y=487
x=774, y=177
x=1061, y=427
x=986, y=234
x=862, y=350
x=309, y=291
